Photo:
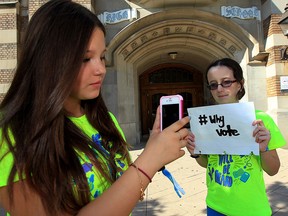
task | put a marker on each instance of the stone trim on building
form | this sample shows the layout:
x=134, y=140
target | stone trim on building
x=194, y=29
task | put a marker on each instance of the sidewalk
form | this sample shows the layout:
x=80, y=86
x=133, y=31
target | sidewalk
x=162, y=200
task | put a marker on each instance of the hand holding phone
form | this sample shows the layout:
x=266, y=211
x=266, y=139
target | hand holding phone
x=171, y=110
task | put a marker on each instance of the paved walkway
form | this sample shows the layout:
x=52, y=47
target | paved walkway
x=161, y=199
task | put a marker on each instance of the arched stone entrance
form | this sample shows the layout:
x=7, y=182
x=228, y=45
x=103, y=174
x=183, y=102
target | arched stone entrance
x=198, y=37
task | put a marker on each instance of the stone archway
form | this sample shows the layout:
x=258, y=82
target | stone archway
x=198, y=37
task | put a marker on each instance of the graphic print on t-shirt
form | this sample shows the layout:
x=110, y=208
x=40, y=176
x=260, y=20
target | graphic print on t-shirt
x=227, y=170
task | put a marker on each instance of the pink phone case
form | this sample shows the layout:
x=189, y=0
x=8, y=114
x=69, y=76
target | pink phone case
x=169, y=100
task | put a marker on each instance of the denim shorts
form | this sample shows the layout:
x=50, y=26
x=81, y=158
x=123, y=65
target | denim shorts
x=212, y=212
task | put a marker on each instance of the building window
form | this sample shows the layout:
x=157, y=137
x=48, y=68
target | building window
x=171, y=75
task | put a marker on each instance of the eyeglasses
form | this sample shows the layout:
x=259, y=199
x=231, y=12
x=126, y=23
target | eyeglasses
x=224, y=84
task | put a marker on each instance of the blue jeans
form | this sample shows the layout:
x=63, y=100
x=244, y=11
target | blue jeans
x=212, y=212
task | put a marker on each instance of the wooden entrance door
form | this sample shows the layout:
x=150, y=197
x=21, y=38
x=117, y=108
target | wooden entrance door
x=168, y=79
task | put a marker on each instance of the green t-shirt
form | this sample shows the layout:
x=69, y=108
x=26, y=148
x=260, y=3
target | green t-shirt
x=235, y=182
x=6, y=161
x=96, y=181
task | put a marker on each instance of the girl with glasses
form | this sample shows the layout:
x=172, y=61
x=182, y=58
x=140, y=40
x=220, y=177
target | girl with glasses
x=246, y=194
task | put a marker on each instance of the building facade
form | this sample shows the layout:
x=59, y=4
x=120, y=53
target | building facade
x=162, y=47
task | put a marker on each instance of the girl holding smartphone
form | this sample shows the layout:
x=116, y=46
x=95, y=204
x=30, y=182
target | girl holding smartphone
x=61, y=151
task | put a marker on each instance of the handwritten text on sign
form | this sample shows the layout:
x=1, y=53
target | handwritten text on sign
x=224, y=129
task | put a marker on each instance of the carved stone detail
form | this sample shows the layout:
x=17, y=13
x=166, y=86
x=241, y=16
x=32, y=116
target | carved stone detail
x=179, y=29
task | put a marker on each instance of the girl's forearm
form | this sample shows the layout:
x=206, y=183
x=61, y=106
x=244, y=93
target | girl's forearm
x=270, y=162
x=127, y=189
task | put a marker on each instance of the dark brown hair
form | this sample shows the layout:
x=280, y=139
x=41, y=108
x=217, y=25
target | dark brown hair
x=46, y=141
x=237, y=72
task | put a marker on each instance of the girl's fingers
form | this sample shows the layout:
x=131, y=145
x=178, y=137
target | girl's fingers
x=258, y=122
x=183, y=143
x=156, y=125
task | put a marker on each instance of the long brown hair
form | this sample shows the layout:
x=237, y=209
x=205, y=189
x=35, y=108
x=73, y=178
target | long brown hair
x=45, y=139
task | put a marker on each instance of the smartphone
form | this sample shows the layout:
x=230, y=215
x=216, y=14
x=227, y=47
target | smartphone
x=171, y=109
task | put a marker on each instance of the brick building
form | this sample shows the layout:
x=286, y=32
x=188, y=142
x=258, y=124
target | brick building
x=163, y=47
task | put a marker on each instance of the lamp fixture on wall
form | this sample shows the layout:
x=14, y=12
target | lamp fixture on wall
x=173, y=55
x=284, y=21
x=284, y=53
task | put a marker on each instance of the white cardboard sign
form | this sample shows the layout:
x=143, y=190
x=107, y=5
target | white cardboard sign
x=224, y=129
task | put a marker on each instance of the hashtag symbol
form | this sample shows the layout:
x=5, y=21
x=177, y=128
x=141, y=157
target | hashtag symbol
x=202, y=119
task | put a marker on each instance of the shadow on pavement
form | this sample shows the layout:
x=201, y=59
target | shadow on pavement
x=151, y=208
x=278, y=196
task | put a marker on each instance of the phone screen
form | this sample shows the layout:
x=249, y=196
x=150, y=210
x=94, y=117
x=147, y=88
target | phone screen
x=170, y=114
